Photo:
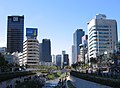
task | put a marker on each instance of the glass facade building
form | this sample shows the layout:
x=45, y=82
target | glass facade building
x=59, y=60
x=15, y=33
x=77, y=40
x=46, y=50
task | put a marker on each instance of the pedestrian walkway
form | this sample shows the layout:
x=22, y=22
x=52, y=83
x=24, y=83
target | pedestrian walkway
x=80, y=83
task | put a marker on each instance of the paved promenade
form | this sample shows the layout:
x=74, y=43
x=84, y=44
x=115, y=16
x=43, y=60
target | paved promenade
x=80, y=83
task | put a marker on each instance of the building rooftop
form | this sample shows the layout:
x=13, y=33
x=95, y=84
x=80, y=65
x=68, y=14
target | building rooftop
x=100, y=16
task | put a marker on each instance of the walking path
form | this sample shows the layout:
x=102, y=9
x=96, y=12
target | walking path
x=80, y=83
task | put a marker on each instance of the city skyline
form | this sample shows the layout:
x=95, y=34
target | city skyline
x=56, y=20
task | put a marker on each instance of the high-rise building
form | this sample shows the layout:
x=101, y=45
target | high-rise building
x=77, y=40
x=85, y=40
x=83, y=50
x=63, y=52
x=20, y=56
x=46, y=50
x=73, y=55
x=54, y=59
x=40, y=52
x=65, y=58
x=102, y=35
x=15, y=33
x=31, y=48
x=59, y=60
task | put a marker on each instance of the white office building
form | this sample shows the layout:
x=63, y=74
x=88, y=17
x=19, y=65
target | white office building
x=73, y=60
x=31, y=52
x=31, y=48
x=53, y=59
x=81, y=56
x=20, y=56
x=102, y=35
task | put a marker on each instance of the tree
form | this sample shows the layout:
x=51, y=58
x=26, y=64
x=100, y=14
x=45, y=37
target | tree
x=114, y=58
x=93, y=60
x=3, y=62
x=67, y=67
x=74, y=65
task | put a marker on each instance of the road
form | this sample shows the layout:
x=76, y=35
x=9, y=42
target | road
x=80, y=83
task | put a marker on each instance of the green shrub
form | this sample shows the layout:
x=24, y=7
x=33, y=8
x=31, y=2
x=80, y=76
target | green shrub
x=51, y=76
x=54, y=75
x=59, y=73
x=7, y=76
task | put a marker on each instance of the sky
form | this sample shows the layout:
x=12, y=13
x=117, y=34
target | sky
x=57, y=20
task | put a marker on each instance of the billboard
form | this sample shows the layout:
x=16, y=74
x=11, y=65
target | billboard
x=31, y=32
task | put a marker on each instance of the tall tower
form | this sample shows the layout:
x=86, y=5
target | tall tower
x=65, y=60
x=59, y=60
x=46, y=50
x=77, y=40
x=102, y=35
x=83, y=50
x=40, y=52
x=31, y=48
x=15, y=33
x=73, y=54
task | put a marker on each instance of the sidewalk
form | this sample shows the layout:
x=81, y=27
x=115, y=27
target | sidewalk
x=80, y=83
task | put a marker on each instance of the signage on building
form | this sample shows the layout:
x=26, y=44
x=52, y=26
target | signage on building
x=31, y=32
x=15, y=18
